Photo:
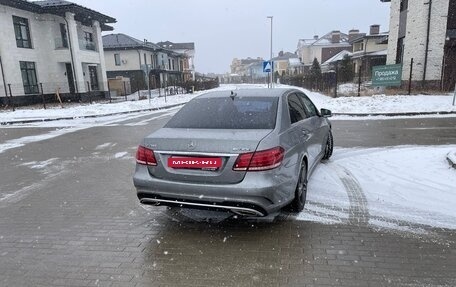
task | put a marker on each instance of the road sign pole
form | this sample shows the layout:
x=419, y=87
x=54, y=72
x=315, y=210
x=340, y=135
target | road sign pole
x=271, y=76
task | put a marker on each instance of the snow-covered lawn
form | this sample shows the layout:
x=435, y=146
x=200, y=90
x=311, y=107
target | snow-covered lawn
x=353, y=105
x=405, y=187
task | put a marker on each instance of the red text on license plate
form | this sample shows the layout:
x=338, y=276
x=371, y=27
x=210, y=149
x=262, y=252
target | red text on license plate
x=194, y=162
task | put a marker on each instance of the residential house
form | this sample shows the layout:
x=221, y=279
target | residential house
x=322, y=48
x=134, y=59
x=255, y=73
x=48, y=47
x=331, y=63
x=369, y=51
x=424, y=31
x=282, y=62
x=183, y=48
x=239, y=66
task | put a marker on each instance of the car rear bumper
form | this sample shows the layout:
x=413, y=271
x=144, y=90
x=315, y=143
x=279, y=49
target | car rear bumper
x=259, y=194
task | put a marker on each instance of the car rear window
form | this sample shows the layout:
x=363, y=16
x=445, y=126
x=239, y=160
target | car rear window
x=227, y=113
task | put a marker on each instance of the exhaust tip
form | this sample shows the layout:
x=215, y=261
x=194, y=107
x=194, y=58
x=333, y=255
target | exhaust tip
x=246, y=212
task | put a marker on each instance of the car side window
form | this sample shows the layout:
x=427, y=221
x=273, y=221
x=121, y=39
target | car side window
x=296, y=109
x=311, y=110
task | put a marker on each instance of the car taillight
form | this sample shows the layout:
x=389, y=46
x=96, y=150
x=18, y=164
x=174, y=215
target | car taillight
x=145, y=156
x=259, y=160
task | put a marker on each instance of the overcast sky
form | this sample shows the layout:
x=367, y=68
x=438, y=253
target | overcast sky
x=227, y=29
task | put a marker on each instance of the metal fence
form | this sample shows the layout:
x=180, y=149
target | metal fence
x=13, y=95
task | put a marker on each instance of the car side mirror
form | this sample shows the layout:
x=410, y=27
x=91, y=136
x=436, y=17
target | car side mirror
x=325, y=113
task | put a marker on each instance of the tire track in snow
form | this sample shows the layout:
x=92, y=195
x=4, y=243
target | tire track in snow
x=359, y=211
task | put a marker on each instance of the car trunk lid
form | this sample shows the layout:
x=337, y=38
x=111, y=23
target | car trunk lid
x=197, y=144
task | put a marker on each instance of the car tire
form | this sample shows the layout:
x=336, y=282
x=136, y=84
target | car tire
x=329, y=146
x=297, y=205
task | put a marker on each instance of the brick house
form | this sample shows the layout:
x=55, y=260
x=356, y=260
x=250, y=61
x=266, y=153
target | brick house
x=425, y=31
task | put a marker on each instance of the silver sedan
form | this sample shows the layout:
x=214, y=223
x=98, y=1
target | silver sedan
x=248, y=151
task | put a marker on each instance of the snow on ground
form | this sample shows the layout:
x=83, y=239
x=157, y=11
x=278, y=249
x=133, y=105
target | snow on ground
x=401, y=187
x=369, y=104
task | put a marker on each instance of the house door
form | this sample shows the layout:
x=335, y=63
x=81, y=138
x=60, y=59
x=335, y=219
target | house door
x=93, y=78
x=70, y=77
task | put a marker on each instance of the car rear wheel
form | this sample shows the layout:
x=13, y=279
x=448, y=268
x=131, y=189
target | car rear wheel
x=329, y=146
x=299, y=201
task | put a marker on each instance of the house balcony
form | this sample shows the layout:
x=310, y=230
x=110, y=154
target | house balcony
x=87, y=46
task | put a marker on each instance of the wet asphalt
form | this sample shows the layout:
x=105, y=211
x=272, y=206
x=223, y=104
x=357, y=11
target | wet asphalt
x=69, y=216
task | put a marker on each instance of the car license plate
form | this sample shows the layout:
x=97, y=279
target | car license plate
x=195, y=162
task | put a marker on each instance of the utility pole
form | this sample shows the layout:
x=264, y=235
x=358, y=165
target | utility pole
x=271, y=76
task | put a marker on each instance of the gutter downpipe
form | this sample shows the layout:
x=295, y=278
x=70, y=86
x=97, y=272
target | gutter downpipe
x=3, y=77
x=72, y=59
x=427, y=43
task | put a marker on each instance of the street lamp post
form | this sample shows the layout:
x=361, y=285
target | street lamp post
x=271, y=76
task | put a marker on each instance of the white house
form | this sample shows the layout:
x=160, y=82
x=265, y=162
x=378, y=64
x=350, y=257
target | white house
x=50, y=46
x=425, y=31
x=184, y=48
x=128, y=57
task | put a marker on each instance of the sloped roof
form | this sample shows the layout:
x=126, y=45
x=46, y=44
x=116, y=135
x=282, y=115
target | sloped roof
x=337, y=57
x=60, y=7
x=361, y=54
x=363, y=36
x=325, y=41
x=119, y=40
x=177, y=46
x=285, y=56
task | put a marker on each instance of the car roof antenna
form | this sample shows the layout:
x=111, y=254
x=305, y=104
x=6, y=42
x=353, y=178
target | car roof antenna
x=233, y=95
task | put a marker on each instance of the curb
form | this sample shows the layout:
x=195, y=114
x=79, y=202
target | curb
x=181, y=104
x=90, y=116
x=451, y=157
x=395, y=114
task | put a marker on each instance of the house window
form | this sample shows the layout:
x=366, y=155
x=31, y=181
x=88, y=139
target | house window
x=29, y=80
x=64, y=36
x=22, y=31
x=169, y=64
x=400, y=51
x=88, y=41
x=117, y=59
x=404, y=5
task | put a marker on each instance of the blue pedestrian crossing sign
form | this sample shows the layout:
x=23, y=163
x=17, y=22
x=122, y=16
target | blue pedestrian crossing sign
x=267, y=66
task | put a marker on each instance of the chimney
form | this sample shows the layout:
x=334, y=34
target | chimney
x=353, y=34
x=374, y=29
x=281, y=54
x=335, y=37
x=316, y=37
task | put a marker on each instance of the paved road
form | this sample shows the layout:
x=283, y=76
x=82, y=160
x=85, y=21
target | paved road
x=69, y=217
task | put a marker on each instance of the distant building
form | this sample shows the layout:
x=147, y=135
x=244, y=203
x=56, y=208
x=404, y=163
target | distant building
x=239, y=66
x=282, y=62
x=183, y=48
x=131, y=58
x=322, y=48
x=424, y=31
x=51, y=46
x=369, y=51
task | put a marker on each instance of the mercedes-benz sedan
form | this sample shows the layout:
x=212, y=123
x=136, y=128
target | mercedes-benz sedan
x=248, y=151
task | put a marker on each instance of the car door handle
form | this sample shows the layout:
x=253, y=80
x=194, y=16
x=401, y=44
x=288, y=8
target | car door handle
x=305, y=131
